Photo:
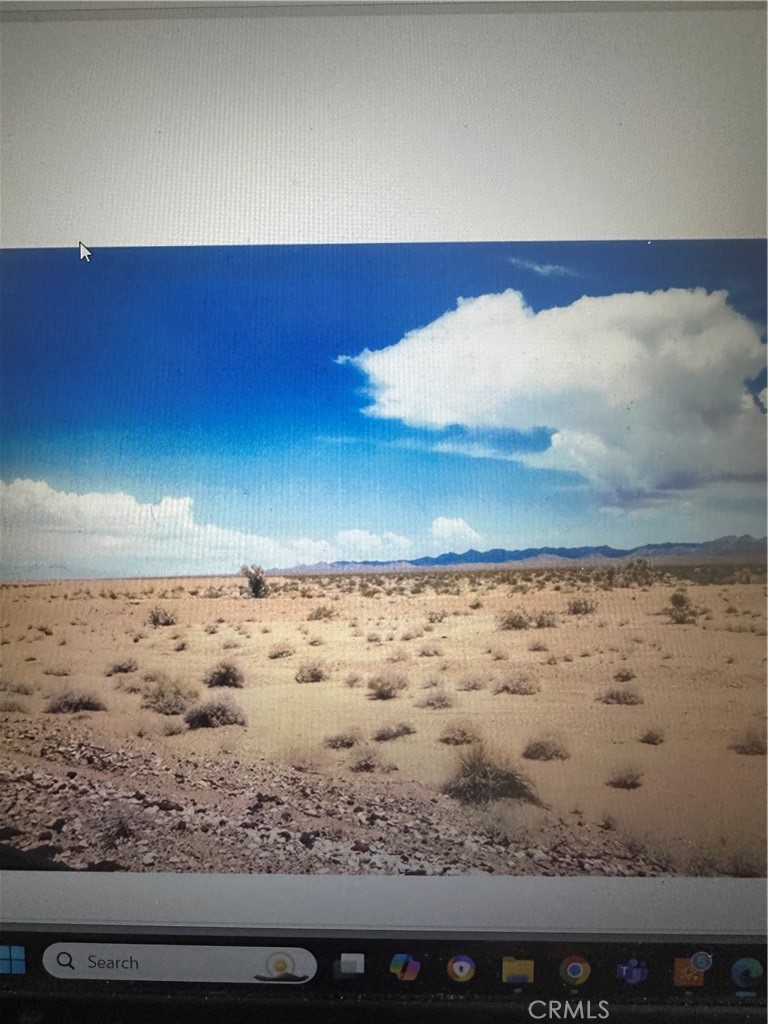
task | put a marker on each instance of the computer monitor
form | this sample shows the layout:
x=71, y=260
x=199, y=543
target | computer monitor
x=383, y=489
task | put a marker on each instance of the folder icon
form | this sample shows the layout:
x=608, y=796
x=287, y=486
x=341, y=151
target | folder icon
x=516, y=972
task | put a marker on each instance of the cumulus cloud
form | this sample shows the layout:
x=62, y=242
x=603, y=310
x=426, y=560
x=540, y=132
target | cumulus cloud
x=644, y=392
x=48, y=533
x=454, y=532
x=362, y=544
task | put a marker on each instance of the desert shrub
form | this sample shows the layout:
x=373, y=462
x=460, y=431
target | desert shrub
x=224, y=674
x=436, y=616
x=121, y=667
x=257, y=581
x=538, y=646
x=497, y=654
x=436, y=699
x=514, y=620
x=386, y=687
x=624, y=675
x=160, y=617
x=320, y=614
x=281, y=650
x=521, y=685
x=480, y=778
x=341, y=741
x=628, y=696
x=172, y=727
x=55, y=670
x=580, y=606
x=545, y=620
x=471, y=683
x=168, y=697
x=681, y=610
x=365, y=761
x=212, y=714
x=653, y=737
x=458, y=735
x=23, y=689
x=430, y=651
x=393, y=732
x=750, y=743
x=180, y=646
x=607, y=823
x=625, y=778
x=69, y=702
x=211, y=628
x=547, y=748
x=311, y=672
x=11, y=706
x=352, y=680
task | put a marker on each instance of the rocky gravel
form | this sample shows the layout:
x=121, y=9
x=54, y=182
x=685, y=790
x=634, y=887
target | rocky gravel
x=69, y=802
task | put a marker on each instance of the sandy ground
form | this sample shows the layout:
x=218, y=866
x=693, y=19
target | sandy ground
x=699, y=804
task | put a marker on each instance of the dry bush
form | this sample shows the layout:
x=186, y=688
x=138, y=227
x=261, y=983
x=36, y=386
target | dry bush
x=11, y=706
x=321, y=614
x=393, y=732
x=514, y=620
x=625, y=778
x=172, y=727
x=750, y=743
x=545, y=620
x=121, y=667
x=386, y=687
x=624, y=675
x=281, y=650
x=160, y=617
x=69, y=702
x=224, y=674
x=367, y=760
x=211, y=714
x=628, y=696
x=497, y=654
x=480, y=778
x=22, y=689
x=471, y=683
x=168, y=697
x=580, y=606
x=459, y=735
x=437, y=700
x=311, y=672
x=257, y=581
x=56, y=670
x=537, y=646
x=547, y=748
x=521, y=685
x=653, y=737
x=342, y=740
x=430, y=651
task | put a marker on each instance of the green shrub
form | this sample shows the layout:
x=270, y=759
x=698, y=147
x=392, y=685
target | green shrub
x=257, y=581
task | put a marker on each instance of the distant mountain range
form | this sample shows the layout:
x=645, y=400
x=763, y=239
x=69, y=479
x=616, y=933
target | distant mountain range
x=731, y=548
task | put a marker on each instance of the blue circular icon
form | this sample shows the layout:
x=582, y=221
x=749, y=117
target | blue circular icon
x=746, y=973
x=701, y=962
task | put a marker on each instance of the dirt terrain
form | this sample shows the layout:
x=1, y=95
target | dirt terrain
x=559, y=721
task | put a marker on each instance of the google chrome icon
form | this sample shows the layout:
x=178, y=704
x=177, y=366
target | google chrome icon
x=575, y=970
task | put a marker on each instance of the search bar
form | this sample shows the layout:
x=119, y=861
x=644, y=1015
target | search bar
x=132, y=961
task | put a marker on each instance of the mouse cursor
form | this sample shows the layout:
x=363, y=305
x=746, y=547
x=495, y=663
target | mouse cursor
x=85, y=253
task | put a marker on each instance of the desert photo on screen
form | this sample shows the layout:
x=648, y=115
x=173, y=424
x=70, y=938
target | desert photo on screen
x=429, y=559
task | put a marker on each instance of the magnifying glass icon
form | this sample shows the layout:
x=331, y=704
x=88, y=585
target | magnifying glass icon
x=65, y=960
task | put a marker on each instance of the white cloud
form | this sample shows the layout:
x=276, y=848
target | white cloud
x=644, y=391
x=454, y=532
x=363, y=545
x=543, y=269
x=49, y=533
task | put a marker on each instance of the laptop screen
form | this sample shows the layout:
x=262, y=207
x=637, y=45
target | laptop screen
x=383, y=468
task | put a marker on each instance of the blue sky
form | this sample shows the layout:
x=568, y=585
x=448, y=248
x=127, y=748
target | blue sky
x=178, y=409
